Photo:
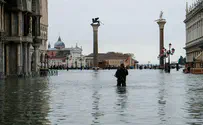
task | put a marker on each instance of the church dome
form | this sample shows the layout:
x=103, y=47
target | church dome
x=59, y=44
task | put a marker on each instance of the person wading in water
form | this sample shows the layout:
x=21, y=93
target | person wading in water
x=121, y=74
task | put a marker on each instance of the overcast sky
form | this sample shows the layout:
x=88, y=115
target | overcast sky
x=129, y=25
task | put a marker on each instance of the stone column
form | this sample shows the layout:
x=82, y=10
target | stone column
x=36, y=57
x=19, y=66
x=95, y=44
x=7, y=60
x=1, y=16
x=37, y=26
x=12, y=24
x=161, y=23
x=25, y=59
x=187, y=34
x=19, y=24
x=28, y=59
x=30, y=26
x=1, y=59
x=200, y=28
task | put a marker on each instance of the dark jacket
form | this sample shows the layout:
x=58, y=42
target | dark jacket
x=121, y=74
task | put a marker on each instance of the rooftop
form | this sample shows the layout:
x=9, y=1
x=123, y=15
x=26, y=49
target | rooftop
x=111, y=55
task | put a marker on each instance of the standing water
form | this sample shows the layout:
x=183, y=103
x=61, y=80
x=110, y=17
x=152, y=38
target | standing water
x=151, y=97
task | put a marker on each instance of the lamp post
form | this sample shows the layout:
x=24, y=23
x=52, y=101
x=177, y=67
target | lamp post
x=166, y=54
x=169, y=53
x=67, y=63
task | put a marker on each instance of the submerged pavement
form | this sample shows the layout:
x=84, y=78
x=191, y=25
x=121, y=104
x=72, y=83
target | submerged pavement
x=151, y=97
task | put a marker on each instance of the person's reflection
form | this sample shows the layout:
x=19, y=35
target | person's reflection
x=95, y=108
x=95, y=74
x=162, y=103
x=25, y=102
x=121, y=103
x=96, y=113
x=122, y=97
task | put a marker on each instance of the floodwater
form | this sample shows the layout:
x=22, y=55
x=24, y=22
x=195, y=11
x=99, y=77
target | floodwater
x=151, y=97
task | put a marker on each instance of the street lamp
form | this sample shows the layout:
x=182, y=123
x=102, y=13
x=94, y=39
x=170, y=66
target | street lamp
x=170, y=52
x=166, y=54
x=67, y=62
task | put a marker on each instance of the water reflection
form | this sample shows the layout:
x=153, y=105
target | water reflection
x=194, y=102
x=151, y=98
x=24, y=102
x=162, y=100
x=95, y=74
x=121, y=104
x=96, y=112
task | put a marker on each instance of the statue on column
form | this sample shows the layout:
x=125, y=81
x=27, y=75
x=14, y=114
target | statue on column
x=161, y=15
x=95, y=20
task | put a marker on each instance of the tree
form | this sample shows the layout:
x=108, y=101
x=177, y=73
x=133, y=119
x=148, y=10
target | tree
x=181, y=61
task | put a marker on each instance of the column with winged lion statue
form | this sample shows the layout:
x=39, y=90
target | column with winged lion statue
x=95, y=24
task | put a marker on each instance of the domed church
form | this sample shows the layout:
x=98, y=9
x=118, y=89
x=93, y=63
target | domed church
x=62, y=56
x=59, y=44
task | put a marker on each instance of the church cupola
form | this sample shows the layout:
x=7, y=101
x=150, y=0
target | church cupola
x=59, y=44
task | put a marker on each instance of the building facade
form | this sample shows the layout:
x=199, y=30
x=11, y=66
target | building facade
x=62, y=56
x=194, y=34
x=20, y=35
x=112, y=59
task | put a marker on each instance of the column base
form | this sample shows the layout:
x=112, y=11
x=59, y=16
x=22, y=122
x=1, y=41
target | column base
x=35, y=74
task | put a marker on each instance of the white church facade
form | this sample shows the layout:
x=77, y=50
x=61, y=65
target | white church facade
x=59, y=55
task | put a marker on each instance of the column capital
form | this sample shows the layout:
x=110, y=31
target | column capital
x=37, y=40
x=95, y=26
x=161, y=23
x=36, y=46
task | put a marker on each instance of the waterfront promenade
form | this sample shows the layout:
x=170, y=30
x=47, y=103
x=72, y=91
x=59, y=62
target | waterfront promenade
x=151, y=97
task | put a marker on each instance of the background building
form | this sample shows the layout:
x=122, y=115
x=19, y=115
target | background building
x=194, y=34
x=112, y=59
x=21, y=36
x=62, y=56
